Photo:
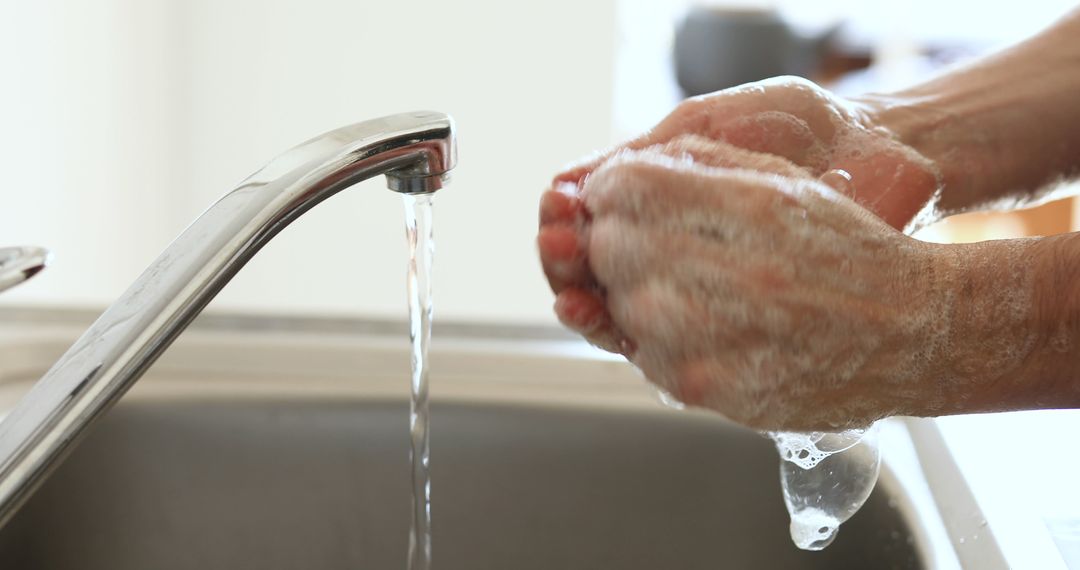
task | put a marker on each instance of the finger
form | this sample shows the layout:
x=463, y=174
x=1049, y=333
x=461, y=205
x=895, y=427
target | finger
x=719, y=154
x=891, y=183
x=662, y=322
x=652, y=319
x=624, y=253
x=651, y=187
x=691, y=117
x=561, y=206
x=563, y=256
x=701, y=382
x=744, y=387
x=793, y=119
x=746, y=117
x=724, y=204
x=777, y=133
x=714, y=383
x=585, y=312
x=686, y=119
x=651, y=217
x=662, y=284
x=576, y=172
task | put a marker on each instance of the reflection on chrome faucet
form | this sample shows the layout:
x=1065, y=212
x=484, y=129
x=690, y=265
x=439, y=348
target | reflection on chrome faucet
x=414, y=150
x=17, y=264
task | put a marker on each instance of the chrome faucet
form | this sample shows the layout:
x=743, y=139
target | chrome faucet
x=414, y=150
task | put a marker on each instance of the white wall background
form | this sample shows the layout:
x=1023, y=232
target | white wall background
x=121, y=120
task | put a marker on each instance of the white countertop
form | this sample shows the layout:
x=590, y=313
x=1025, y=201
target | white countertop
x=1023, y=468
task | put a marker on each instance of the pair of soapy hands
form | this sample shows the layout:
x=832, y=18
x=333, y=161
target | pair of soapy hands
x=746, y=255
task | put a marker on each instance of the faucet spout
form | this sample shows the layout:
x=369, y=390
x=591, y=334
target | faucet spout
x=415, y=151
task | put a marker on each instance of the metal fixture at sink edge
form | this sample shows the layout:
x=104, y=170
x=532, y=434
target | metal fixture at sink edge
x=18, y=264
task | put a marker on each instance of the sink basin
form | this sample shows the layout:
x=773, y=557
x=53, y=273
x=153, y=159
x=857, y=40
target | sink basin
x=288, y=449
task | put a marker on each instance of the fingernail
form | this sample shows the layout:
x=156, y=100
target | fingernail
x=564, y=309
x=567, y=189
x=579, y=312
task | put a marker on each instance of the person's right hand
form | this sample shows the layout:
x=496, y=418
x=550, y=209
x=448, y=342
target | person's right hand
x=805, y=127
x=749, y=288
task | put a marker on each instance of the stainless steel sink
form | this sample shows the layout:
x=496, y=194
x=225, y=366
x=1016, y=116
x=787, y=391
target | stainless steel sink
x=281, y=450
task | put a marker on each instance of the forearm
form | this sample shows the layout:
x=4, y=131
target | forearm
x=1014, y=327
x=1003, y=131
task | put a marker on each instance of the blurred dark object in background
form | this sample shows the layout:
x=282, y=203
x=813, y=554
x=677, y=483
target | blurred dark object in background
x=717, y=48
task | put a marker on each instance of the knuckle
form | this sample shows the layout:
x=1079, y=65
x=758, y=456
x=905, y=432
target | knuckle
x=643, y=315
x=796, y=90
x=693, y=385
x=605, y=249
x=796, y=84
x=633, y=166
x=623, y=313
x=627, y=183
x=693, y=106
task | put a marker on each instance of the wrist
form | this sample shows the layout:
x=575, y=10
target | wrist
x=1054, y=367
x=1013, y=325
x=954, y=344
x=1001, y=131
x=993, y=325
x=926, y=127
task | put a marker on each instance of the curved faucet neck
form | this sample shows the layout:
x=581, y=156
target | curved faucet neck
x=415, y=151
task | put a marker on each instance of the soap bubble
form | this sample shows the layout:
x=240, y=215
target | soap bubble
x=826, y=477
